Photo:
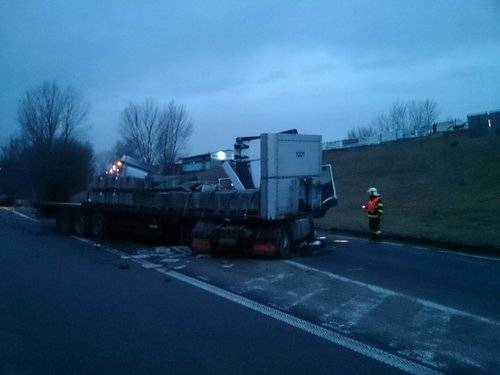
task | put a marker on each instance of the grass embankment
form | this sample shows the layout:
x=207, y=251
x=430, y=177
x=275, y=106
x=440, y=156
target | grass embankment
x=442, y=188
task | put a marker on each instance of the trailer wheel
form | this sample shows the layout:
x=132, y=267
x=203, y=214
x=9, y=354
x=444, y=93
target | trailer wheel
x=64, y=221
x=82, y=224
x=99, y=225
x=284, y=242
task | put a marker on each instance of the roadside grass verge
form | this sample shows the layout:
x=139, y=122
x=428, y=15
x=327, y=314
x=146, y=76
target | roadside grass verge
x=444, y=188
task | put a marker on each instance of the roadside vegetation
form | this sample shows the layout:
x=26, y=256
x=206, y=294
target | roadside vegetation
x=156, y=134
x=50, y=159
x=413, y=117
x=443, y=188
x=47, y=159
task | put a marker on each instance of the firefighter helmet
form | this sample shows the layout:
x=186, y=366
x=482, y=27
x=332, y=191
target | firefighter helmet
x=373, y=191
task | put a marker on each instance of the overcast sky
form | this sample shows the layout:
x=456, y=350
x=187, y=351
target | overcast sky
x=247, y=67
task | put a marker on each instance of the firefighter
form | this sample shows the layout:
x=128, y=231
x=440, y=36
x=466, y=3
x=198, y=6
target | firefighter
x=374, y=209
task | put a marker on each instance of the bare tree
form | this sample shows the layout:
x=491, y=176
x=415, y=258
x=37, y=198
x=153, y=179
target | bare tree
x=381, y=122
x=431, y=112
x=155, y=134
x=398, y=117
x=411, y=117
x=120, y=148
x=102, y=160
x=361, y=132
x=140, y=125
x=47, y=113
x=421, y=115
x=175, y=130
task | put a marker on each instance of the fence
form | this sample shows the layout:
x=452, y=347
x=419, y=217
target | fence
x=373, y=140
x=393, y=135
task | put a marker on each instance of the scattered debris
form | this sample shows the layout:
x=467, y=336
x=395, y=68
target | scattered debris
x=169, y=260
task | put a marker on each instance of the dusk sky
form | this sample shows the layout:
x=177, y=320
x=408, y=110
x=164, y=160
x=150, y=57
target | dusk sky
x=247, y=67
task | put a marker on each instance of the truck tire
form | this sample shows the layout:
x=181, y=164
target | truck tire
x=64, y=221
x=82, y=224
x=284, y=242
x=99, y=225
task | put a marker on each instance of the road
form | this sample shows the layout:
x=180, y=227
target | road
x=71, y=305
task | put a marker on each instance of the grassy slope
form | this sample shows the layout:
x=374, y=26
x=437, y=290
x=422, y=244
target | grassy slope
x=444, y=188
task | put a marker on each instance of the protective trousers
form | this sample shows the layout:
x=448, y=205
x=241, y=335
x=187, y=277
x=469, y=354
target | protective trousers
x=374, y=224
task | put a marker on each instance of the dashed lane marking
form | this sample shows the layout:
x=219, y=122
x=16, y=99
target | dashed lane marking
x=313, y=329
x=395, y=360
x=308, y=327
x=389, y=292
x=333, y=337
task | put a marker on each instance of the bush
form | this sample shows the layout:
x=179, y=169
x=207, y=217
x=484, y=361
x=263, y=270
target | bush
x=41, y=172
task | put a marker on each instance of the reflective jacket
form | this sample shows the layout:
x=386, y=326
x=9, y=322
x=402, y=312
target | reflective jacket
x=374, y=207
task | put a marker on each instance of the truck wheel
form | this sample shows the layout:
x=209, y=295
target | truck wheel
x=99, y=225
x=81, y=224
x=284, y=242
x=64, y=221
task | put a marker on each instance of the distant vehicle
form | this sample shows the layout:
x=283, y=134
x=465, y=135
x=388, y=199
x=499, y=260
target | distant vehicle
x=274, y=187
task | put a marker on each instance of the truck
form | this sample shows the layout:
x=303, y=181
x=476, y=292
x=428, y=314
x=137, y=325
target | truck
x=274, y=186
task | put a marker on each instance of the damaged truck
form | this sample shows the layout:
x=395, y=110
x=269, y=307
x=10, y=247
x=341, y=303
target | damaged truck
x=275, y=185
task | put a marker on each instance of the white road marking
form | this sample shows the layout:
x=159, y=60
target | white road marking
x=313, y=329
x=351, y=238
x=88, y=242
x=308, y=327
x=418, y=247
x=336, y=338
x=496, y=259
x=21, y=215
x=388, y=292
x=392, y=243
x=187, y=252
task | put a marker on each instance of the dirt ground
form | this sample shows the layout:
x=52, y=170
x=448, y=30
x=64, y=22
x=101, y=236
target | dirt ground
x=443, y=188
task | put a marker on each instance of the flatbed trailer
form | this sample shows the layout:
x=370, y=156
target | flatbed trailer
x=277, y=186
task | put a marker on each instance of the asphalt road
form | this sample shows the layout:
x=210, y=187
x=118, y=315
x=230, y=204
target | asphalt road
x=70, y=305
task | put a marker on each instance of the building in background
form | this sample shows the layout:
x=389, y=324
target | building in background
x=487, y=123
x=449, y=126
x=203, y=162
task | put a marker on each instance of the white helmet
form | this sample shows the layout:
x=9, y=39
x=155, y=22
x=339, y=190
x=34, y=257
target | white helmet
x=373, y=191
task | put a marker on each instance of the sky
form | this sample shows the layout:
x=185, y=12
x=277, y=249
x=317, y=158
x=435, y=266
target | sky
x=248, y=67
